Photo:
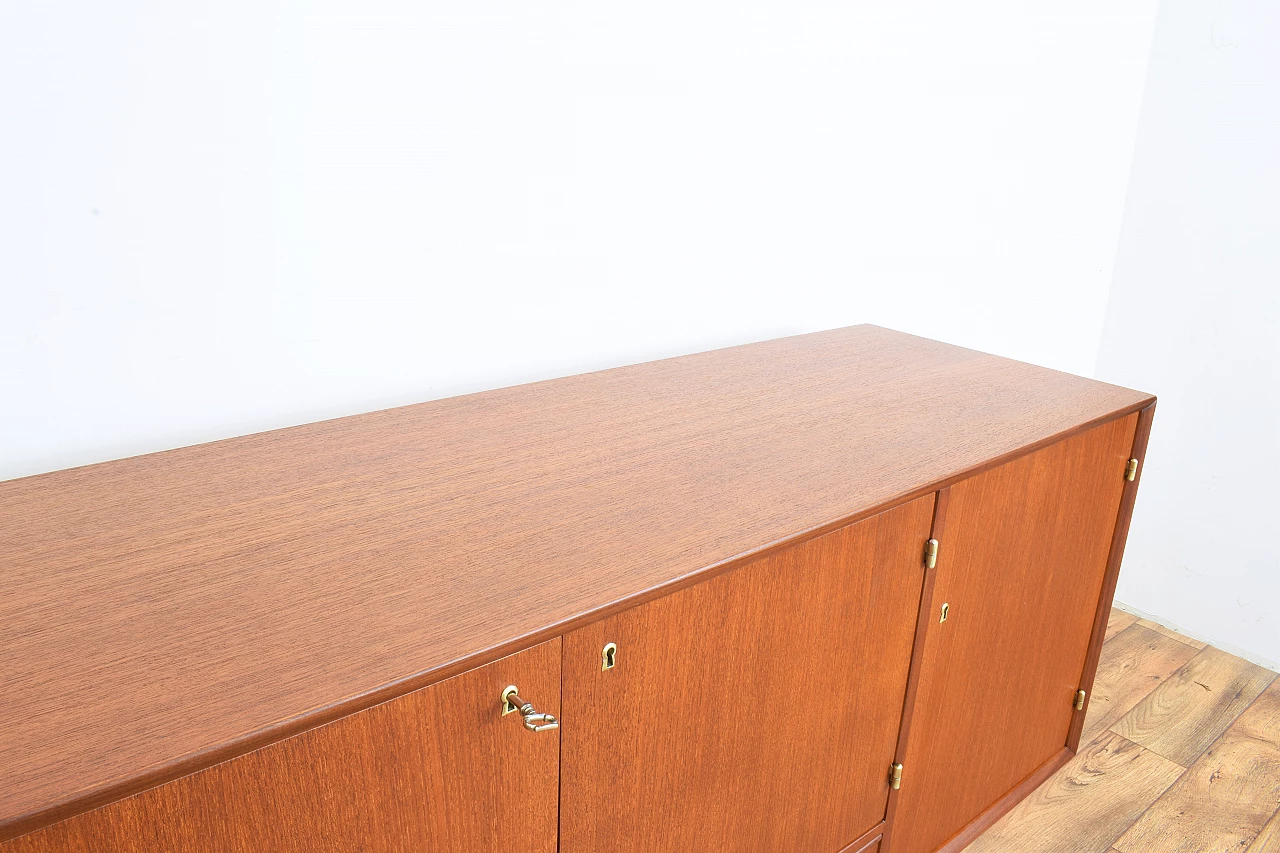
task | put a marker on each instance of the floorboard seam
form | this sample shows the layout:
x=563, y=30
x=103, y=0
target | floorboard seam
x=1267, y=828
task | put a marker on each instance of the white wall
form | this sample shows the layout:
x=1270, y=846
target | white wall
x=218, y=218
x=1195, y=318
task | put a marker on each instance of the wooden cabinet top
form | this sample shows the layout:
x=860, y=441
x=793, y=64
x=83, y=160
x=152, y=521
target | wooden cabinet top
x=168, y=611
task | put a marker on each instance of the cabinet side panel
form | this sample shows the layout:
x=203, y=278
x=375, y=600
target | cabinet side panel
x=1118, y=539
x=436, y=769
x=1020, y=570
x=755, y=711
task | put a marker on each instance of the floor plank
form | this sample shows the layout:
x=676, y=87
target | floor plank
x=1268, y=841
x=1087, y=804
x=1117, y=622
x=1191, y=703
x=1194, y=706
x=1132, y=664
x=1169, y=632
x=1226, y=797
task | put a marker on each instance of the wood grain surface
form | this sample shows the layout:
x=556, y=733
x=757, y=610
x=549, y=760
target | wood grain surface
x=869, y=842
x=1216, y=805
x=1137, y=661
x=169, y=611
x=1190, y=709
x=1226, y=797
x=924, y=618
x=1087, y=805
x=1005, y=804
x=1268, y=840
x=1111, y=577
x=757, y=711
x=437, y=769
x=1172, y=634
x=1117, y=622
x=1022, y=569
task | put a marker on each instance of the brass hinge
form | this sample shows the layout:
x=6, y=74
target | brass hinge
x=895, y=776
x=1079, y=703
x=1131, y=470
x=931, y=553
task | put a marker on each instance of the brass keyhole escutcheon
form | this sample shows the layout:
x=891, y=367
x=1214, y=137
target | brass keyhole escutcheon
x=946, y=608
x=533, y=721
x=609, y=656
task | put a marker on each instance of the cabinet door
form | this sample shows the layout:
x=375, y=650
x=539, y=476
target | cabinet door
x=437, y=769
x=1023, y=553
x=754, y=711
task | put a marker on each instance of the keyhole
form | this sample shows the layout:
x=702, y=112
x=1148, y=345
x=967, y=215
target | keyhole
x=609, y=656
x=945, y=608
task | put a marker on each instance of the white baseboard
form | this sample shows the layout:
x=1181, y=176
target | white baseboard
x=1226, y=647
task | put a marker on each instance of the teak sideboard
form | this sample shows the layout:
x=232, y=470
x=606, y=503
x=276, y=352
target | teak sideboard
x=836, y=592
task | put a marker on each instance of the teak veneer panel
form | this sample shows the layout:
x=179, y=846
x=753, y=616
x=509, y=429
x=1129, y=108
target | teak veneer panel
x=168, y=611
x=1021, y=566
x=437, y=769
x=756, y=711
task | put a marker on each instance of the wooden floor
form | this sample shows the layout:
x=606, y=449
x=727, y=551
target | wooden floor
x=1180, y=754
